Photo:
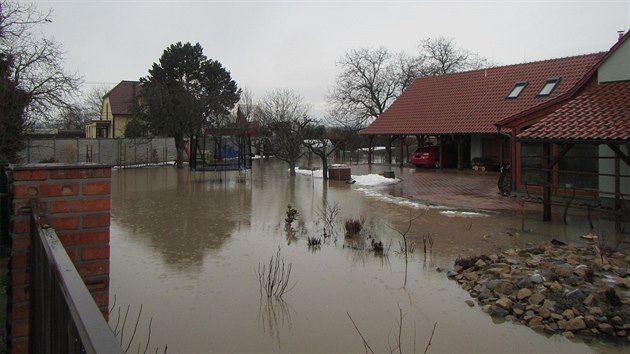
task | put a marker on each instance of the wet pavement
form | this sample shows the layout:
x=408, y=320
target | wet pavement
x=465, y=189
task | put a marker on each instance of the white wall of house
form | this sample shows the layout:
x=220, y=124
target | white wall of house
x=607, y=166
x=476, y=148
x=617, y=66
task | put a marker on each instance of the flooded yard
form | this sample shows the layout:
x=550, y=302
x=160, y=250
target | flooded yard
x=186, y=247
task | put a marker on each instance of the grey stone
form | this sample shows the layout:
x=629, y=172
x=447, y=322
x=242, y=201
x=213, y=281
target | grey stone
x=549, y=304
x=485, y=294
x=498, y=312
x=451, y=274
x=573, y=280
x=536, y=278
x=519, y=305
x=470, y=303
x=576, y=295
x=524, y=283
x=493, y=283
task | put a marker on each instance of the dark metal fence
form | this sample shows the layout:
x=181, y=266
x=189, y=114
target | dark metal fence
x=64, y=316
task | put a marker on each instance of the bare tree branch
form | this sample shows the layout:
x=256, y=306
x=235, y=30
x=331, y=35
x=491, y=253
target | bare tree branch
x=37, y=61
x=286, y=113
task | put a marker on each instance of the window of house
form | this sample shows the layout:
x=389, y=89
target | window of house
x=548, y=87
x=517, y=89
x=579, y=167
x=531, y=164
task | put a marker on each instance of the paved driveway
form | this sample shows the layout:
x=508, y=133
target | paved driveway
x=463, y=189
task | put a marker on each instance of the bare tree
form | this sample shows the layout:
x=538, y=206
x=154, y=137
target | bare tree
x=369, y=81
x=246, y=104
x=318, y=143
x=71, y=117
x=442, y=56
x=36, y=60
x=287, y=114
x=93, y=100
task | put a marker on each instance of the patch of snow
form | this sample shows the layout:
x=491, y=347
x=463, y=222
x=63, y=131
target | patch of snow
x=374, y=180
x=391, y=199
x=464, y=214
x=370, y=180
x=306, y=172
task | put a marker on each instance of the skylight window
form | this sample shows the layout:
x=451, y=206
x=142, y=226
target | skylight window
x=548, y=87
x=518, y=88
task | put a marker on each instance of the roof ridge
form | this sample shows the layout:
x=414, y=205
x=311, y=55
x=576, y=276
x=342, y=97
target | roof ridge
x=517, y=64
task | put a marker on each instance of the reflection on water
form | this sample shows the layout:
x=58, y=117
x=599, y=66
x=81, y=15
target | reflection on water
x=186, y=245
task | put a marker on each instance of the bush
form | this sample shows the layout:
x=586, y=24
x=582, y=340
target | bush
x=353, y=227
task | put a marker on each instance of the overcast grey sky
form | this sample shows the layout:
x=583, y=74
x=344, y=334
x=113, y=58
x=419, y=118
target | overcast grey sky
x=295, y=44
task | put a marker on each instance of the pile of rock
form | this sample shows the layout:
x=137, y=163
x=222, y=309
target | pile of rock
x=553, y=288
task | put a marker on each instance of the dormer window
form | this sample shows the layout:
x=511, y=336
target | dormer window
x=517, y=89
x=548, y=87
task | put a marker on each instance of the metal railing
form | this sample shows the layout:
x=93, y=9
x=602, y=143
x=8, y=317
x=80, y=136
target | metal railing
x=64, y=316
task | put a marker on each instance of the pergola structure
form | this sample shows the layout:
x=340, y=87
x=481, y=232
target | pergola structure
x=224, y=149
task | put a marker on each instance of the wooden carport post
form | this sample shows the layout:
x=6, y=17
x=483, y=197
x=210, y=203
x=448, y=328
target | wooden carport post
x=402, y=152
x=546, y=165
x=370, y=140
x=389, y=149
x=618, y=155
x=441, y=152
x=460, y=153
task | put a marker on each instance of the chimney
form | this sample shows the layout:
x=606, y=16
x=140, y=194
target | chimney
x=619, y=35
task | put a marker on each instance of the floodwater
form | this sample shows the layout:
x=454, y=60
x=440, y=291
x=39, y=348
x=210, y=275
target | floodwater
x=186, y=246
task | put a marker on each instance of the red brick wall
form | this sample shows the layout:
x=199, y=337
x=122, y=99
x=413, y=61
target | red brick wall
x=75, y=201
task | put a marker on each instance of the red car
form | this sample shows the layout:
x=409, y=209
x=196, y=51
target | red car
x=430, y=156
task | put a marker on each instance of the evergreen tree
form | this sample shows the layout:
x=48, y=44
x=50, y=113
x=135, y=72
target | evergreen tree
x=184, y=93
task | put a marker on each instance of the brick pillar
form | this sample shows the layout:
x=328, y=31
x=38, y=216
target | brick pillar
x=75, y=201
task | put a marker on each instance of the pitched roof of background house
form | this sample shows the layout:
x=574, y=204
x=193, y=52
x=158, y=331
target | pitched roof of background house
x=122, y=95
x=473, y=101
x=600, y=113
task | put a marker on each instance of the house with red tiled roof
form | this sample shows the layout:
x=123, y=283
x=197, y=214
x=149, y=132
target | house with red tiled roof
x=116, y=111
x=528, y=113
x=462, y=108
x=579, y=144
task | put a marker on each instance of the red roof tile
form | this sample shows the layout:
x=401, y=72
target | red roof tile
x=121, y=97
x=473, y=101
x=600, y=113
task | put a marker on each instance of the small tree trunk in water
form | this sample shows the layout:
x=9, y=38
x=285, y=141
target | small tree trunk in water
x=325, y=167
x=292, y=168
x=179, y=145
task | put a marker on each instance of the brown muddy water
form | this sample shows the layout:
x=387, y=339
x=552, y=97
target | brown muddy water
x=186, y=246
